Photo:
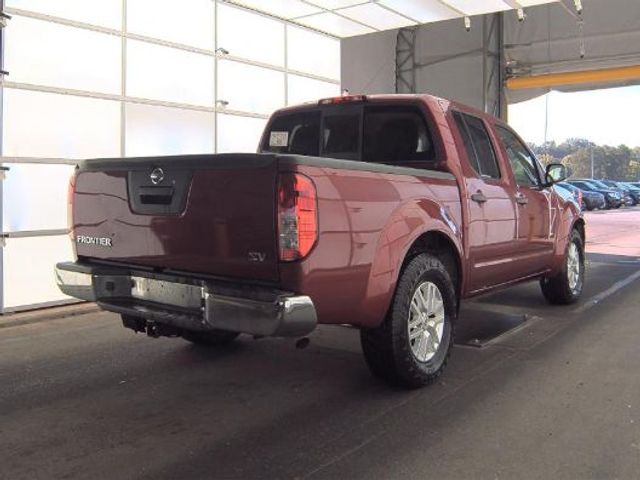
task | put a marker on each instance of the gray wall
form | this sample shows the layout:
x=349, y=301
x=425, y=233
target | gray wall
x=549, y=41
x=368, y=63
x=450, y=62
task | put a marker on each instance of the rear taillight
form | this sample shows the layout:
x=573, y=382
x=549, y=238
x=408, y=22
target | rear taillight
x=70, y=192
x=297, y=216
x=580, y=198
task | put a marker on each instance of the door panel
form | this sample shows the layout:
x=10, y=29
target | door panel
x=535, y=240
x=491, y=234
x=536, y=210
x=534, y=217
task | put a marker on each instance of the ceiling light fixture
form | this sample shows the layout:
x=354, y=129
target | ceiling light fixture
x=3, y=19
x=578, y=4
x=583, y=48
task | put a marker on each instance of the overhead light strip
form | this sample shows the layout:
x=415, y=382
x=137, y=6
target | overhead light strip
x=327, y=10
x=393, y=10
x=513, y=4
x=286, y=20
x=517, y=5
x=451, y=7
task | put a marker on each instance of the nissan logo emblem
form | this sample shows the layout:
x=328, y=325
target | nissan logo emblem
x=157, y=176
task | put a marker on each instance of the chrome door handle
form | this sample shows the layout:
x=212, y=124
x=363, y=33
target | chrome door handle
x=478, y=197
x=521, y=199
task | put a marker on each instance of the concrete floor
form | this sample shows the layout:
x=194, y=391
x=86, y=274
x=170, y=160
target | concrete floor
x=559, y=397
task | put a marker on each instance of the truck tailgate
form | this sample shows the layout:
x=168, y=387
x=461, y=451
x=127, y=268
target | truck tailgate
x=208, y=214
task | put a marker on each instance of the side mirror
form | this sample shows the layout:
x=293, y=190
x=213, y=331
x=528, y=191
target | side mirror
x=556, y=172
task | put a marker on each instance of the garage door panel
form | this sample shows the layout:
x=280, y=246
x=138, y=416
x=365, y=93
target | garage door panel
x=28, y=275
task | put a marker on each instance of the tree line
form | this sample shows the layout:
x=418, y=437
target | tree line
x=614, y=163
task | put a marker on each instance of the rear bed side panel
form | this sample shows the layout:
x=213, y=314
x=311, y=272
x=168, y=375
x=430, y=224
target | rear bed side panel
x=367, y=222
x=229, y=213
x=412, y=219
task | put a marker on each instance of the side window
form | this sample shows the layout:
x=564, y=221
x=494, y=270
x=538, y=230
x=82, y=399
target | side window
x=340, y=135
x=466, y=138
x=484, y=149
x=522, y=162
x=478, y=145
x=297, y=133
x=396, y=135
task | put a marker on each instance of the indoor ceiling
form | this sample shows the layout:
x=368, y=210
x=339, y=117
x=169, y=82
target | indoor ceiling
x=347, y=18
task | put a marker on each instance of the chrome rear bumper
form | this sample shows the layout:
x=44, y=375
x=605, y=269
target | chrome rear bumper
x=189, y=304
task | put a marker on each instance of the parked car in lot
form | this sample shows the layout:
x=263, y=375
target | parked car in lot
x=626, y=199
x=568, y=193
x=632, y=197
x=612, y=197
x=634, y=190
x=587, y=199
x=382, y=212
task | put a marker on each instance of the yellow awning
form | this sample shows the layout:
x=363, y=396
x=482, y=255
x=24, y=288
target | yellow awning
x=607, y=75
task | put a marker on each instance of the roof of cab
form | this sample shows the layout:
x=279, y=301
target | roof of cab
x=432, y=100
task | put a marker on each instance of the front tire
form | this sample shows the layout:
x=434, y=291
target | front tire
x=566, y=286
x=411, y=347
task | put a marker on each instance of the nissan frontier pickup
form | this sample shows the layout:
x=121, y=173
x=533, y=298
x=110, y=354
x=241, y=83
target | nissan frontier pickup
x=382, y=212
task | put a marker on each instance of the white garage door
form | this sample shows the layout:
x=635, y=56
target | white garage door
x=111, y=78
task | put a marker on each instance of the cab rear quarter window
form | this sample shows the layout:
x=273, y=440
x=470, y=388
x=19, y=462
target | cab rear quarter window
x=390, y=134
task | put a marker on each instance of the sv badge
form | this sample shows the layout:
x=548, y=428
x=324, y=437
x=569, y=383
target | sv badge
x=257, y=257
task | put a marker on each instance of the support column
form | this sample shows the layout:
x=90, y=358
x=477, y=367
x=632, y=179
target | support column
x=493, y=65
x=3, y=19
x=406, y=60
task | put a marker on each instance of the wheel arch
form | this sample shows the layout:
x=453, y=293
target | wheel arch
x=580, y=226
x=563, y=237
x=444, y=248
x=419, y=225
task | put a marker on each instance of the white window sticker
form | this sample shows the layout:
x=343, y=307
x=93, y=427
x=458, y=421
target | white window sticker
x=279, y=139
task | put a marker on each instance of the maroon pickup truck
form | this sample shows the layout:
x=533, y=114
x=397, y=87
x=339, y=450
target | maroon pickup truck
x=381, y=212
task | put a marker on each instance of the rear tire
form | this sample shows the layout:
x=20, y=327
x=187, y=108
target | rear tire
x=412, y=345
x=566, y=286
x=213, y=338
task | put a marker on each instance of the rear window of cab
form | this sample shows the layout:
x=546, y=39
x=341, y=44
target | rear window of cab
x=396, y=135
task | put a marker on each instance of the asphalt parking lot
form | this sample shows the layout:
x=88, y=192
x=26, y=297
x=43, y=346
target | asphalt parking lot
x=558, y=396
